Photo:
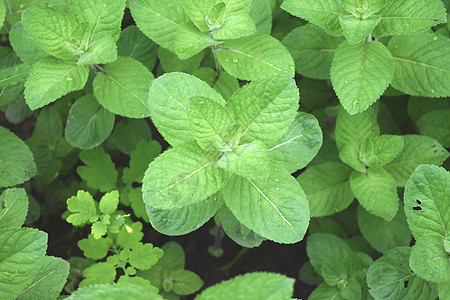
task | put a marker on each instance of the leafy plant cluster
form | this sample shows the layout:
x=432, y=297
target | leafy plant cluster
x=221, y=82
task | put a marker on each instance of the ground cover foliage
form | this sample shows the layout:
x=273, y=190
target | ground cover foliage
x=278, y=121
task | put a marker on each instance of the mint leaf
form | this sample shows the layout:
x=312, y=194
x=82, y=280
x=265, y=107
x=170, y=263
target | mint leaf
x=129, y=132
x=101, y=51
x=13, y=208
x=355, y=29
x=226, y=85
x=94, y=248
x=362, y=9
x=235, y=27
x=24, y=45
x=237, y=7
x=171, y=63
x=381, y=150
x=436, y=124
x=324, y=291
x=261, y=14
x=185, y=282
x=254, y=57
x=312, y=50
x=144, y=256
x=99, y=172
x=14, y=75
x=115, y=292
x=350, y=156
x=82, y=207
x=360, y=73
x=51, y=78
x=125, y=78
x=140, y=158
x=197, y=10
x=133, y=43
x=101, y=272
x=190, y=40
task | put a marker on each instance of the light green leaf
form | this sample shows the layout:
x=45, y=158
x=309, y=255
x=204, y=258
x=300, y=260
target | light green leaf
x=421, y=64
x=197, y=10
x=327, y=188
x=380, y=150
x=350, y=156
x=362, y=9
x=14, y=75
x=275, y=208
x=144, y=256
x=322, y=13
x=257, y=285
x=355, y=29
x=312, y=50
x=255, y=56
x=265, y=108
x=237, y=7
x=417, y=150
x=324, y=291
x=128, y=239
x=17, y=160
x=82, y=207
x=129, y=132
x=52, y=78
x=226, y=85
x=114, y=292
x=168, y=100
x=215, y=16
x=185, y=282
x=390, y=277
x=101, y=272
x=409, y=17
x=108, y=203
x=382, y=235
x=159, y=20
x=190, y=40
x=444, y=290
x=360, y=73
x=436, y=124
x=170, y=62
x=298, y=146
x=182, y=176
x=13, y=208
x=99, y=171
x=235, y=27
x=94, y=248
x=125, y=78
x=101, y=51
x=140, y=158
x=133, y=43
x=24, y=45
x=261, y=14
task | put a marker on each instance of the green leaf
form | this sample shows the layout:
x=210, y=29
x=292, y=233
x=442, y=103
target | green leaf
x=51, y=78
x=101, y=272
x=237, y=7
x=185, y=282
x=182, y=176
x=126, y=78
x=215, y=16
x=420, y=59
x=101, y=51
x=190, y=40
x=168, y=100
x=257, y=285
x=360, y=73
x=88, y=124
x=104, y=17
x=108, y=203
x=52, y=30
x=248, y=160
x=24, y=45
x=14, y=75
x=322, y=13
x=381, y=234
x=17, y=160
x=140, y=158
x=312, y=50
x=129, y=132
x=355, y=29
x=390, y=277
x=254, y=57
x=13, y=208
x=436, y=124
x=327, y=188
x=417, y=150
x=144, y=256
x=133, y=43
x=350, y=156
x=170, y=62
x=226, y=85
x=159, y=20
x=444, y=290
x=380, y=150
x=82, y=207
x=275, y=208
x=409, y=17
x=429, y=260
x=114, y=292
x=99, y=172
x=376, y=191
x=324, y=291
x=362, y=9
x=265, y=108
x=197, y=10
x=261, y=14
x=235, y=27
x=94, y=248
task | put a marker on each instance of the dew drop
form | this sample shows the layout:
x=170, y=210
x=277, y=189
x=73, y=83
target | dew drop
x=69, y=79
x=292, y=68
x=277, y=188
x=227, y=60
x=276, y=179
x=235, y=60
x=346, y=82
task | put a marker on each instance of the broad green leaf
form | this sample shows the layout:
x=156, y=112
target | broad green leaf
x=417, y=149
x=427, y=201
x=21, y=251
x=444, y=290
x=237, y=7
x=436, y=124
x=101, y=272
x=322, y=13
x=350, y=156
x=409, y=17
x=257, y=285
x=52, y=30
x=197, y=10
x=128, y=238
x=420, y=59
x=183, y=220
x=275, y=208
x=265, y=108
x=126, y=78
x=324, y=291
x=88, y=124
x=355, y=128
x=140, y=158
x=390, y=277
x=159, y=20
x=355, y=29
x=94, y=248
x=208, y=120
x=82, y=207
x=261, y=14
x=235, y=27
x=226, y=85
x=376, y=191
x=249, y=160
x=312, y=50
x=315, y=94
x=129, y=132
x=173, y=258
x=101, y=51
x=327, y=188
x=362, y=9
x=108, y=203
x=255, y=56
x=429, y=260
x=215, y=16
x=380, y=150
x=170, y=62
x=13, y=208
x=182, y=176
x=99, y=171
x=298, y=146
x=17, y=160
x=144, y=256
x=136, y=280
x=168, y=100
x=190, y=40
x=114, y=292
x=133, y=43
x=14, y=75
x=360, y=73
x=185, y=282
x=49, y=280
x=104, y=17
x=381, y=234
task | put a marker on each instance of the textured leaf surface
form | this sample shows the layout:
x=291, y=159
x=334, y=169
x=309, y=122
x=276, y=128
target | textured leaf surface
x=82, y=207
x=24, y=45
x=101, y=272
x=99, y=172
x=133, y=43
x=182, y=176
x=140, y=158
x=362, y=9
x=13, y=208
x=101, y=51
x=144, y=256
x=436, y=124
x=360, y=73
x=114, y=292
x=94, y=248
x=421, y=64
x=324, y=291
x=128, y=132
x=380, y=150
x=190, y=40
x=261, y=14
x=275, y=208
x=197, y=10
x=355, y=29
x=255, y=56
x=14, y=75
x=186, y=282
x=125, y=78
x=235, y=27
